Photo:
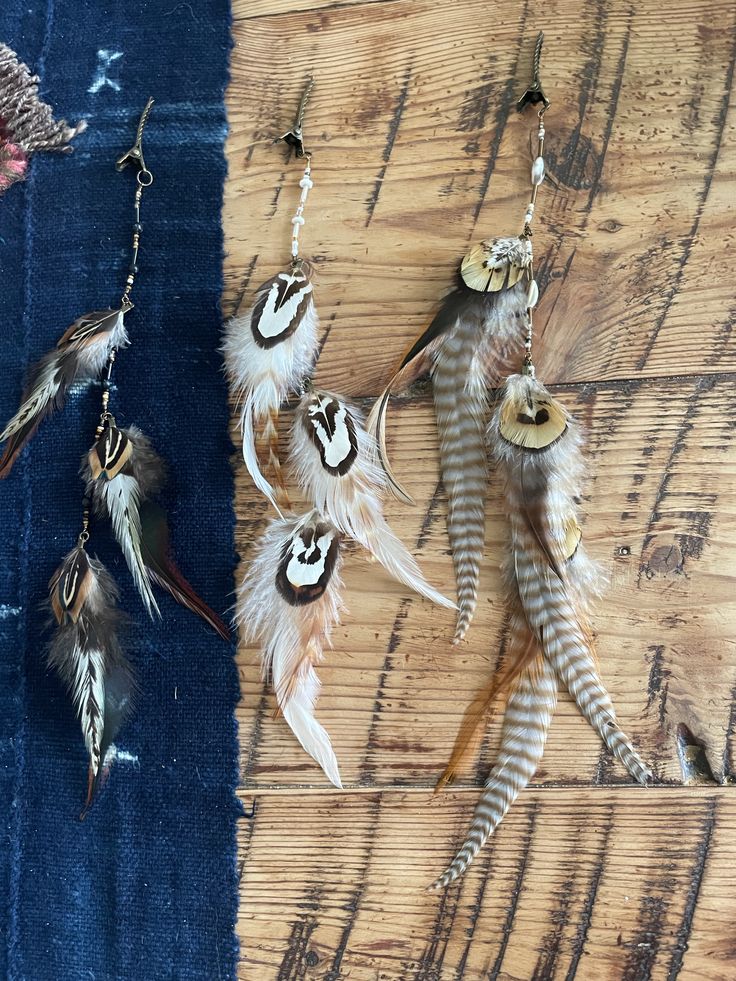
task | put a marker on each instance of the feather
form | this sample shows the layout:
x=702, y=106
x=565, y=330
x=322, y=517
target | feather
x=537, y=449
x=529, y=709
x=87, y=655
x=80, y=355
x=156, y=552
x=121, y=471
x=472, y=339
x=289, y=602
x=334, y=460
x=268, y=353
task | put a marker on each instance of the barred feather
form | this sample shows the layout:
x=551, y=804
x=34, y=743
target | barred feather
x=529, y=709
x=471, y=341
x=537, y=448
x=289, y=602
x=87, y=655
x=334, y=460
x=268, y=353
x=80, y=355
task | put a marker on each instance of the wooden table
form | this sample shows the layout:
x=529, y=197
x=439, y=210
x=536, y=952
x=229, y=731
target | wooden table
x=418, y=152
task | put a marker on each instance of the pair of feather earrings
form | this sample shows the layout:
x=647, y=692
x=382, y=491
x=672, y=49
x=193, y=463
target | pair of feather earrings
x=535, y=444
x=290, y=598
x=122, y=475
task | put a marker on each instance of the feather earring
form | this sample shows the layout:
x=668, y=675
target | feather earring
x=477, y=331
x=122, y=473
x=269, y=351
x=550, y=580
x=288, y=602
x=334, y=461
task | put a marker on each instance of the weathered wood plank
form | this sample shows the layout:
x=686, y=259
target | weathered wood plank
x=661, y=518
x=575, y=884
x=417, y=151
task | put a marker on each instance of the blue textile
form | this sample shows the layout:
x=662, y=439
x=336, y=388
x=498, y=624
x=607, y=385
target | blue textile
x=146, y=886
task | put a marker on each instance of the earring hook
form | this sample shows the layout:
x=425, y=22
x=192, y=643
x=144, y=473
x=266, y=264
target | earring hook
x=135, y=154
x=535, y=93
x=294, y=137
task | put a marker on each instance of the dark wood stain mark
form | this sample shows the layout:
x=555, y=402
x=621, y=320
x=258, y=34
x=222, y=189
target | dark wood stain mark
x=475, y=909
x=644, y=946
x=256, y=733
x=702, y=386
x=505, y=104
x=730, y=731
x=696, y=881
x=276, y=195
x=366, y=777
x=244, y=287
x=586, y=914
x=327, y=332
x=658, y=681
x=515, y=895
x=720, y=123
x=549, y=949
x=296, y=960
x=477, y=102
x=429, y=967
x=430, y=515
x=352, y=907
x=393, y=129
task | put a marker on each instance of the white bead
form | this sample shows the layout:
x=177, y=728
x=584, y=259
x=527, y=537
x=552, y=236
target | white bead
x=295, y=247
x=533, y=295
x=297, y=220
x=306, y=182
x=538, y=171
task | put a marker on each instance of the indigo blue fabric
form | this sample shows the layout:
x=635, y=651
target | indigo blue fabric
x=145, y=887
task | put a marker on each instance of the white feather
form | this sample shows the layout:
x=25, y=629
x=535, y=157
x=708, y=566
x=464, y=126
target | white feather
x=292, y=638
x=43, y=392
x=262, y=378
x=352, y=500
x=88, y=695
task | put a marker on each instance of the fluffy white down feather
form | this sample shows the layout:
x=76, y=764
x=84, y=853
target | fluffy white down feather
x=261, y=378
x=289, y=634
x=352, y=501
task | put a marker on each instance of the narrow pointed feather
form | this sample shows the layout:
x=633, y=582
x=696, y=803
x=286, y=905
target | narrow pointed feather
x=288, y=603
x=86, y=653
x=527, y=718
x=480, y=711
x=334, y=460
x=156, y=552
x=80, y=355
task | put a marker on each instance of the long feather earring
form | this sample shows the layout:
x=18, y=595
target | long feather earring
x=269, y=351
x=122, y=472
x=475, y=335
x=290, y=598
x=550, y=580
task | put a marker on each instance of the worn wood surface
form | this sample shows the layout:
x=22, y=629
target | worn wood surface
x=417, y=153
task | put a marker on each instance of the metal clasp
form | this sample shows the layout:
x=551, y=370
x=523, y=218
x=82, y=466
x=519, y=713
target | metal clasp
x=135, y=154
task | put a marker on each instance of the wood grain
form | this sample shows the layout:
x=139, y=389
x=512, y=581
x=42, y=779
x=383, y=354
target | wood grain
x=417, y=153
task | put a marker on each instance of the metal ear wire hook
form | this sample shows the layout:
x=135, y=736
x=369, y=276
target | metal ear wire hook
x=135, y=154
x=535, y=93
x=294, y=136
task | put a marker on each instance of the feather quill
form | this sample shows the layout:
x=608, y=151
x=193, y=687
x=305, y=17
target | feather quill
x=87, y=655
x=80, y=355
x=536, y=445
x=269, y=351
x=334, y=460
x=122, y=472
x=476, y=333
x=289, y=602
